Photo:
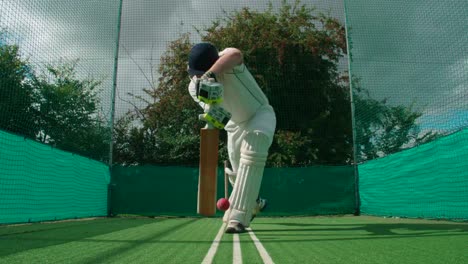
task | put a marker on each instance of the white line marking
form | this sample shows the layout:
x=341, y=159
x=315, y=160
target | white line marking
x=236, y=250
x=214, y=246
x=263, y=253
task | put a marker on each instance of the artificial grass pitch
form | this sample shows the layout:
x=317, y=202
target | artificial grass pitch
x=346, y=239
x=363, y=240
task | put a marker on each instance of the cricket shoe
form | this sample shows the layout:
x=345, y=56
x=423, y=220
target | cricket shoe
x=235, y=227
x=261, y=205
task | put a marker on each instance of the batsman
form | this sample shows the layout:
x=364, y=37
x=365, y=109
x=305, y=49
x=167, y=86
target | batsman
x=242, y=109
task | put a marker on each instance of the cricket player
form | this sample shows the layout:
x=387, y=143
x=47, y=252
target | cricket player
x=250, y=129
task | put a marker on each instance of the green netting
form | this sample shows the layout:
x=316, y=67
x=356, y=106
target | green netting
x=155, y=190
x=56, y=72
x=107, y=80
x=410, y=74
x=56, y=82
x=156, y=120
x=39, y=183
x=419, y=182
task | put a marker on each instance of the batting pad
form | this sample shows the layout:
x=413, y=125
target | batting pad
x=254, y=152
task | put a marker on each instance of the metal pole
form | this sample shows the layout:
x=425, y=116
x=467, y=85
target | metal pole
x=112, y=117
x=114, y=83
x=357, y=207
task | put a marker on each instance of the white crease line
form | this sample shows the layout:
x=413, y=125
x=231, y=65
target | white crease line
x=214, y=246
x=263, y=253
x=236, y=250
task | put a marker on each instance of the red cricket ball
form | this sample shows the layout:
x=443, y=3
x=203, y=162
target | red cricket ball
x=223, y=204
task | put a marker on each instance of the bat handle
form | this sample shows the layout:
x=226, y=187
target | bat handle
x=226, y=180
x=208, y=124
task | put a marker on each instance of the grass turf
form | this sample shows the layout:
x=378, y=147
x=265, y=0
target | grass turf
x=363, y=240
x=187, y=240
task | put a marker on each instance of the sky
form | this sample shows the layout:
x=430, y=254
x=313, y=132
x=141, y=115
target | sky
x=61, y=30
x=414, y=52
x=410, y=52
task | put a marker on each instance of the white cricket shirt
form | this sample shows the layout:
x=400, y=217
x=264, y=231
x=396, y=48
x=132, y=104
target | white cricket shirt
x=242, y=95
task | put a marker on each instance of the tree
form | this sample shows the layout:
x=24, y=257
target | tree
x=168, y=128
x=312, y=104
x=55, y=108
x=16, y=113
x=382, y=129
x=294, y=54
x=67, y=111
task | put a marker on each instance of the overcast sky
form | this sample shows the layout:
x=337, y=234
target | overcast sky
x=414, y=51
x=403, y=50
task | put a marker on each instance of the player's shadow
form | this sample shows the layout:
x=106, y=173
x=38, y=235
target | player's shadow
x=14, y=239
x=351, y=231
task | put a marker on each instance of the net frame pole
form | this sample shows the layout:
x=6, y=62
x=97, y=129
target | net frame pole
x=353, y=119
x=112, y=112
x=114, y=83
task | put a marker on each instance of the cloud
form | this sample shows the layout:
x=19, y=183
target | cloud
x=52, y=32
x=413, y=54
x=147, y=29
x=407, y=53
x=48, y=30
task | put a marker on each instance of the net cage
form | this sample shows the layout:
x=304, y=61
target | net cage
x=370, y=99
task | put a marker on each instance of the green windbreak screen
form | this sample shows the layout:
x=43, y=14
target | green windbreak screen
x=56, y=84
x=154, y=190
x=428, y=181
x=39, y=183
x=409, y=67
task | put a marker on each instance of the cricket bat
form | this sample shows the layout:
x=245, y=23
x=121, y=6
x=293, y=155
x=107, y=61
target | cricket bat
x=209, y=141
